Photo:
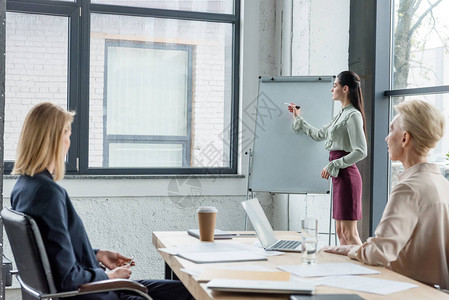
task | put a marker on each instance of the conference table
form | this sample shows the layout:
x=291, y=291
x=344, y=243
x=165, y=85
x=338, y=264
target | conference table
x=163, y=239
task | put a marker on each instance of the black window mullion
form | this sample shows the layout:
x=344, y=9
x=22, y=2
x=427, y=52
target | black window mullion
x=418, y=91
x=163, y=13
x=83, y=104
x=73, y=88
x=41, y=7
x=47, y=2
x=234, y=126
x=158, y=171
x=146, y=138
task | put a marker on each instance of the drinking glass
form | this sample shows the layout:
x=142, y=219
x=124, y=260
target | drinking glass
x=309, y=232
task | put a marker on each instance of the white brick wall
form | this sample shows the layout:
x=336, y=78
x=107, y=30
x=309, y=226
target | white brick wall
x=37, y=71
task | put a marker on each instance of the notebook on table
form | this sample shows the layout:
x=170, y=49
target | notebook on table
x=326, y=297
x=221, y=256
x=218, y=234
x=261, y=286
x=264, y=230
x=210, y=274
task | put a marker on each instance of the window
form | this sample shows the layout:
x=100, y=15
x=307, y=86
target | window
x=420, y=59
x=34, y=71
x=416, y=35
x=151, y=84
x=154, y=83
x=420, y=50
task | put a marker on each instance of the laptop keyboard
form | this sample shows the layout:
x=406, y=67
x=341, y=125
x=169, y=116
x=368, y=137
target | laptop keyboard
x=283, y=244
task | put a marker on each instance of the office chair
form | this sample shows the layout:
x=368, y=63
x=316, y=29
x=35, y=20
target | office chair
x=33, y=268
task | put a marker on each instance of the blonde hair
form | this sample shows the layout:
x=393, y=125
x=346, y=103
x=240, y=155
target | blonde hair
x=41, y=140
x=423, y=121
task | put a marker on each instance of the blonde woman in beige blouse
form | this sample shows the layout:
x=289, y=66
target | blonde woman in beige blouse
x=412, y=237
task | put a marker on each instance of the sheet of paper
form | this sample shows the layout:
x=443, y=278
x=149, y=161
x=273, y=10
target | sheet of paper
x=193, y=272
x=365, y=284
x=247, y=268
x=217, y=246
x=204, y=247
x=330, y=269
x=239, y=274
x=197, y=271
x=262, y=286
x=221, y=256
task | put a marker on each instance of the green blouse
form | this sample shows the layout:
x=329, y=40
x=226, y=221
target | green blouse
x=344, y=132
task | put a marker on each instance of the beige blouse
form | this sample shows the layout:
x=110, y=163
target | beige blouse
x=413, y=236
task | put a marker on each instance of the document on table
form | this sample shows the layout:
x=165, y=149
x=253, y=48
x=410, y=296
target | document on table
x=203, y=247
x=218, y=234
x=365, y=284
x=221, y=256
x=198, y=270
x=210, y=274
x=262, y=286
x=330, y=269
x=215, y=252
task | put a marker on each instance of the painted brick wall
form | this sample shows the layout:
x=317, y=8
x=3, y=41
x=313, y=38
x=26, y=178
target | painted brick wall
x=37, y=71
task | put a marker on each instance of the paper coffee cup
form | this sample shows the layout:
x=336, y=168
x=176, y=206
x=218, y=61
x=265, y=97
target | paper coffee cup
x=207, y=215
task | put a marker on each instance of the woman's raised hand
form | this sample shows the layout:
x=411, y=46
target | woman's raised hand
x=292, y=108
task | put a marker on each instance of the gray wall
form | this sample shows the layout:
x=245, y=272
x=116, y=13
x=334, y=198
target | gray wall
x=120, y=213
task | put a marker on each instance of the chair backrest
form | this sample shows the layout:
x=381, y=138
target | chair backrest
x=28, y=250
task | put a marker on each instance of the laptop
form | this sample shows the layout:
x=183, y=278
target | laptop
x=264, y=230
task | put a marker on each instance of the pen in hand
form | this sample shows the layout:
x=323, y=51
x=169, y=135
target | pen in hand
x=129, y=263
x=292, y=104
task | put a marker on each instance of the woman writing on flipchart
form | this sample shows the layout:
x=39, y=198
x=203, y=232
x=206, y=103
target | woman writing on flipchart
x=345, y=138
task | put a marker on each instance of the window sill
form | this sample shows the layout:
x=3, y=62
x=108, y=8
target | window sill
x=121, y=177
x=129, y=186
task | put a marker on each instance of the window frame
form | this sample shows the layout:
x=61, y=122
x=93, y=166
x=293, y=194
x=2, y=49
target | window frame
x=79, y=13
x=185, y=141
x=71, y=11
x=383, y=93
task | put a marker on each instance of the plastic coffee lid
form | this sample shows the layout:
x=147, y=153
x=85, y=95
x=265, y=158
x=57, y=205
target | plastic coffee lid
x=207, y=209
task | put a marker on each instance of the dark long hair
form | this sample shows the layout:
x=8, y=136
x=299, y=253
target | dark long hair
x=352, y=80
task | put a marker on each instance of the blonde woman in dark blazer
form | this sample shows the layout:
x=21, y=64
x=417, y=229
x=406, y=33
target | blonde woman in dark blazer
x=42, y=148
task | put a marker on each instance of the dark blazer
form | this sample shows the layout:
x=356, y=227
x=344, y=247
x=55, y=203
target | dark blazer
x=72, y=259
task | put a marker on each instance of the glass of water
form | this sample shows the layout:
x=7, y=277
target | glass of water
x=309, y=233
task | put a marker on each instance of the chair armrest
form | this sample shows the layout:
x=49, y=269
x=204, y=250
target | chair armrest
x=112, y=284
x=14, y=272
x=102, y=286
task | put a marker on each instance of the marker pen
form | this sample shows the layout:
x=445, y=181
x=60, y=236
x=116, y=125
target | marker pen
x=289, y=104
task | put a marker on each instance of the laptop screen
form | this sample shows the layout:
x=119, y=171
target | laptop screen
x=260, y=222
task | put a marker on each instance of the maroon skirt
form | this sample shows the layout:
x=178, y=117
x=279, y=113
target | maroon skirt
x=346, y=191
